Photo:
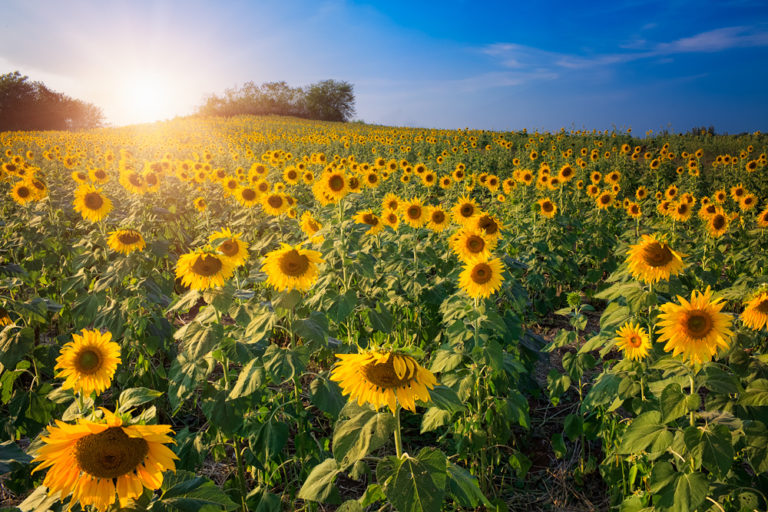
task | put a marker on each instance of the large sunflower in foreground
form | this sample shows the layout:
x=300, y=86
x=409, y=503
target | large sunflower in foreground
x=633, y=340
x=22, y=192
x=652, y=260
x=230, y=246
x=202, y=269
x=91, y=203
x=98, y=463
x=755, y=315
x=88, y=363
x=383, y=378
x=126, y=241
x=291, y=267
x=481, y=278
x=695, y=329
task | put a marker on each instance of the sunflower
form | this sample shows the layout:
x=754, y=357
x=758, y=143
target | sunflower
x=641, y=193
x=413, y=213
x=390, y=218
x=310, y=226
x=595, y=177
x=737, y=192
x=593, y=190
x=671, y=192
x=720, y=196
x=437, y=218
x=91, y=204
x=747, y=202
x=633, y=210
x=335, y=185
x=762, y=219
x=470, y=244
x=488, y=225
x=230, y=246
x=5, y=318
x=681, y=211
x=464, y=209
x=22, y=192
x=652, y=260
x=717, y=223
x=547, y=208
x=200, y=204
x=391, y=202
x=481, y=278
x=695, y=329
x=202, y=269
x=369, y=218
x=383, y=378
x=99, y=176
x=88, y=363
x=98, y=462
x=291, y=267
x=133, y=182
x=755, y=315
x=604, y=199
x=633, y=340
x=126, y=241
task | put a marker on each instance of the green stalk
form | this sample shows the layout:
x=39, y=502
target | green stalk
x=398, y=438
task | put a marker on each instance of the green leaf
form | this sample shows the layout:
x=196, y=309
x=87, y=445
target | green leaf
x=434, y=418
x=222, y=413
x=11, y=455
x=446, y=398
x=673, y=403
x=319, y=484
x=381, y=319
x=661, y=476
x=186, y=492
x=690, y=492
x=326, y=395
x=756, y=393
x=200, y=340
x=359, y=431
x=464, y=487
x=558, y=445
x=343, y=306
x=446, y=360
x=15, y=344
x=40, y=501
x=720, y=381
x=250, y=379
x=646, y=432
x=756, y=435
x=604, y=391
x=286, y=300
x=562, y=339
x=134, y=397
x=220, y=298
x=414, y=484
x=282, y=364
x=313, y=328
x=186, y=302
x=184, y=376
x=270, y=439
x=711, y=447
x=573, y=426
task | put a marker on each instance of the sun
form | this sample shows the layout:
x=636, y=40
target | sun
x=146, y=97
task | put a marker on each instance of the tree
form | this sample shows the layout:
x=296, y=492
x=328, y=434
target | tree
x=26, y=105
x=331, y=100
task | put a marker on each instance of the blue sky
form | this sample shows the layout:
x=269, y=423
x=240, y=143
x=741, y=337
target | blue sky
x=448, y=64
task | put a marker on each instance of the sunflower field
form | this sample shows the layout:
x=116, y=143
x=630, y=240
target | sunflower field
x=265, y=313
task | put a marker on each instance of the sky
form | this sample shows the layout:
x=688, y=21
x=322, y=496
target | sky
x=508, y=65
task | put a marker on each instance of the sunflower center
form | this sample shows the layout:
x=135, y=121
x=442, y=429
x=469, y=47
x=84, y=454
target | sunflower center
x=605, y=199
x=762, y=307
x=682, y=209
x=467, y=210
x=384, y=376
x=135, y=180
x=207, y=265
x=392, y=205
x=248, y=194
x=313, y=227
x=488, y=225
x=275, y=201
x=718, y=221
x=370, y=219
x=229, y=247
x=110, y=454
x=293, y=264
x=23, y=192
x=482, y=273
x=547, y=206
x=128, y=238
x=698, y=324
x=263, y=187
x=292, y=175
x=657, y=255
x=93, y=200
x=635, y=340
x=372, y=178
x=438, y=217
x=475, y=244
x=414, y=211
x=336, y=183
x=88, y=361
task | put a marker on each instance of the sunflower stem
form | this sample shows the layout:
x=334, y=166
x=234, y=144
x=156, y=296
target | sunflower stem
x=398, y=438
x=240, y=472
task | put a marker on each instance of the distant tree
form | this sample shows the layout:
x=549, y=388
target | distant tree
x=331, y=100
x=26, y=105
x=328, y=100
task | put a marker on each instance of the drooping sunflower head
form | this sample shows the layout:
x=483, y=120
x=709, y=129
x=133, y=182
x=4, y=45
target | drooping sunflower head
x=91, y=203
x=203, y=268
x=101, y=462
x=88, y=363
x=633, y=340
x=755, y=314
x=652, y=260
x=481, y=278
x=126, y=241
x=292, y=268
x=696, y=329
x=370, y=219
x=383, y=378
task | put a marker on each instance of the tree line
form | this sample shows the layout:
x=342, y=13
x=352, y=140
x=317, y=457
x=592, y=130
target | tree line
x=328, y=100
x=28, y=105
